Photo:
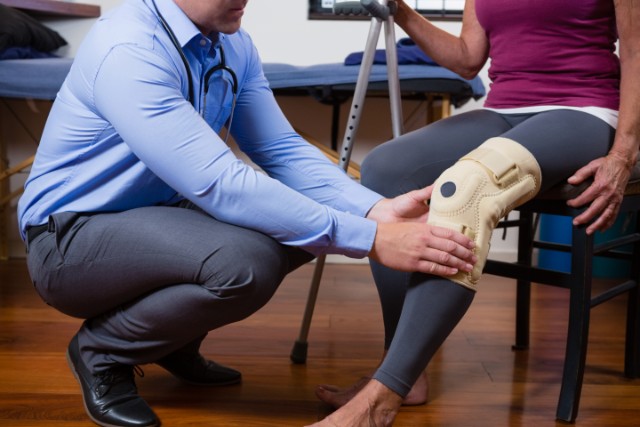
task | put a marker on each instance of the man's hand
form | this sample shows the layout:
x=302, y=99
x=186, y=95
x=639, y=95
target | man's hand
x=411, y=206
x=417, y=246
x=610, y=176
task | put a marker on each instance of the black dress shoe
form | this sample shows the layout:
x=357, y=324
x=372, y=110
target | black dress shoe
x=110, y=398
x=196, y=370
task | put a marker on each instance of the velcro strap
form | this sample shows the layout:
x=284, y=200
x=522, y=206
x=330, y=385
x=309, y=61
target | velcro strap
x=499, y=164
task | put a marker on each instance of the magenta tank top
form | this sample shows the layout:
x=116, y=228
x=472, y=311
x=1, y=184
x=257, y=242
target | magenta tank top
x=551, y=52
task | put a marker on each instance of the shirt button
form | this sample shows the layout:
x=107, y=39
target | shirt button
x=203, y=42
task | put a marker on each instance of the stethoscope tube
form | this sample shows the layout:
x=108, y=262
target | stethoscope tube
x=222, y=66
x=174, y=41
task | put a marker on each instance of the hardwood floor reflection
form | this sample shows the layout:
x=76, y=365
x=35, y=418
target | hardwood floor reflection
x=476, y=379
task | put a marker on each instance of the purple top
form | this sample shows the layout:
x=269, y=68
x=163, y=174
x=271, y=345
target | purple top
x=551, y=52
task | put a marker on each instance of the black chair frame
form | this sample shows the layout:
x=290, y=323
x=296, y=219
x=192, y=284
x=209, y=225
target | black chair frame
x=578, y=281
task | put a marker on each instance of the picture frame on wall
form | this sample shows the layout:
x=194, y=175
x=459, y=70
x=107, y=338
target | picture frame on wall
x=433, y=9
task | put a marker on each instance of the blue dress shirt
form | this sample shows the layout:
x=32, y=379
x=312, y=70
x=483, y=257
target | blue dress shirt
x=121, y=134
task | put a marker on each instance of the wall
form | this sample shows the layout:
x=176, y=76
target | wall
x=282, y=33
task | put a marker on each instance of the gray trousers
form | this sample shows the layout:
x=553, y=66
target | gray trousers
x=152, y=280
x=419, y=310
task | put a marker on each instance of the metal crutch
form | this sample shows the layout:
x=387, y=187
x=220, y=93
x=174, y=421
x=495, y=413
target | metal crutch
x=380, y=11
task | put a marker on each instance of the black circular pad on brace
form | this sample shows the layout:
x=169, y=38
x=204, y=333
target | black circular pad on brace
x=448, y=189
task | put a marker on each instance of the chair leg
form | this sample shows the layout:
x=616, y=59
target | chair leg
x=523, y=309
x=632, y=344
x=526, y=233
x=578, y=330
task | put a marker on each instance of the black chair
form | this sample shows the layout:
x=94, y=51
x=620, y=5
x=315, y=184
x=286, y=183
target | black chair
x=578, y=281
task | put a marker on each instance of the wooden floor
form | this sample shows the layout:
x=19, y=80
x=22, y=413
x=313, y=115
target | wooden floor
x=476, y=379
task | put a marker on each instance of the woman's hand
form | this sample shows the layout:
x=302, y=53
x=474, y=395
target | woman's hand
x=610, y=177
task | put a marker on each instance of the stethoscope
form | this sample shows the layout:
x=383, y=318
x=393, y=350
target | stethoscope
x=222, y=66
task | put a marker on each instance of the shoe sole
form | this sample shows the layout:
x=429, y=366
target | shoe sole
x=217, y=384
x=202, y=384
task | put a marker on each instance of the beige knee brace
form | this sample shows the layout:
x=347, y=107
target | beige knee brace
x=481, y=188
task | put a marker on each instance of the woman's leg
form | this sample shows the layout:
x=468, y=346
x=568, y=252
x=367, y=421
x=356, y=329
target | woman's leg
x=562, y=141
x=413, y=161
x=433, y=306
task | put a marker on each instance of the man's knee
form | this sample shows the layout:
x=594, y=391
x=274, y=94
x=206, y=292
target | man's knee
x=481, y=188
x=251, y=273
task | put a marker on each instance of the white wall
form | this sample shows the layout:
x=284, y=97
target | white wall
x=280, y=29
x=282, y=33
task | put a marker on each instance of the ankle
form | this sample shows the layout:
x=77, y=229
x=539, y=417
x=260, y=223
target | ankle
x=382, y=401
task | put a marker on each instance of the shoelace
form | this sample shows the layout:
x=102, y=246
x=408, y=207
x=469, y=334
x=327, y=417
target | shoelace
x=107, y=379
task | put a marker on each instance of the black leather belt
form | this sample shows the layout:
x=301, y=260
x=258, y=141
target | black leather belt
x=33, y=232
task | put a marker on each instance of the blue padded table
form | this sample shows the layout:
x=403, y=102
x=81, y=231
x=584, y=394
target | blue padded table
x=334, y=84
x=42, y=78
x=39, y=78
x=340, y=77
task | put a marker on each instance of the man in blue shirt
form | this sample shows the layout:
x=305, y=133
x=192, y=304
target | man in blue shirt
x=140, y=219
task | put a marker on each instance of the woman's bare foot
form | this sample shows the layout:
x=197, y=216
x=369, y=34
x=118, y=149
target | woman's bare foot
x=375, y=405
x=338, y=397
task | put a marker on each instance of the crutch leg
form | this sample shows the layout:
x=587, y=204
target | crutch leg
x=380, y=13
x=299, y=350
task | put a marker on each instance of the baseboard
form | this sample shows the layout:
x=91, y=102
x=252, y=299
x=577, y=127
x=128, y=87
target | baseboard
x=341, y=259
x=506, y=256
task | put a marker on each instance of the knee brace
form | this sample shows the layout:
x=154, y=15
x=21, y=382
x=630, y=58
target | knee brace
x=478, y=190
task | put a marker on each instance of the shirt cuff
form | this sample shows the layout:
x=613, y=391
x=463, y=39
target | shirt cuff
x=354, y=235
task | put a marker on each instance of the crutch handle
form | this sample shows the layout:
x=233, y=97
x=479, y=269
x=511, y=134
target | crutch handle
x=349, y=8
x=365, y=7
x=377, y=10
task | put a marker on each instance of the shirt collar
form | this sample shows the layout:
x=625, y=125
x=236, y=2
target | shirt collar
x=180, y=24
x=183, y=28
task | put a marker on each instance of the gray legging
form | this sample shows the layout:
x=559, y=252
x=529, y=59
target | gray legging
x=152, y=280
x=419, y=310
